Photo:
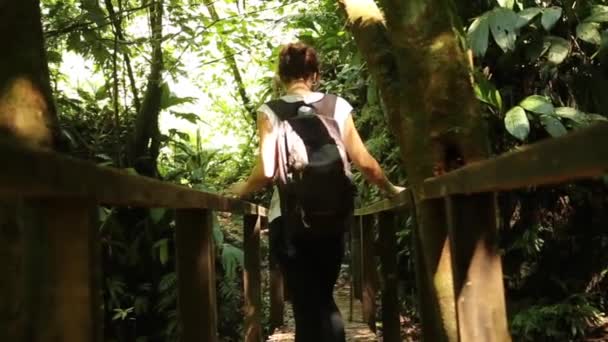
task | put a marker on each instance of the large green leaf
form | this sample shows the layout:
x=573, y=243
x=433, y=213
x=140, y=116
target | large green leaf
x=589, y=32
x=553, y=126
x=516, y=123
x=599, y=14
x=478, y=35
x=571, y=114
x=527, y=15
x=538, y=104
x=503, y=24
x=550, y=16
x=559, y=49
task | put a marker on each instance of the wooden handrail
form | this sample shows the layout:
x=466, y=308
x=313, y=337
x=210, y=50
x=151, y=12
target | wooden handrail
x=401, y=201
x=581, y=154
x=34, y=173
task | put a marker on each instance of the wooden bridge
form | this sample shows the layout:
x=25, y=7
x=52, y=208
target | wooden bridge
x=62, y=287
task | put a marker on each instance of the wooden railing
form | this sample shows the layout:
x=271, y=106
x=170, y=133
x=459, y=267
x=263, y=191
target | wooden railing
x=62, y=254
x=579, y=155
x=64, y=193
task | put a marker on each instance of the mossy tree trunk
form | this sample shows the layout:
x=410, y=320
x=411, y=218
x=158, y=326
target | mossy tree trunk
x=27, y=116
x=145, y=145
x=415, y=53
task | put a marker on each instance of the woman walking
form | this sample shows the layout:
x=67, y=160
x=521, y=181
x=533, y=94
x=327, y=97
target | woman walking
x=308, y=246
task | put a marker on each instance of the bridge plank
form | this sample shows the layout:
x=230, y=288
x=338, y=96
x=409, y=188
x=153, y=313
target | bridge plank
x=35, y=173
x=580, y=154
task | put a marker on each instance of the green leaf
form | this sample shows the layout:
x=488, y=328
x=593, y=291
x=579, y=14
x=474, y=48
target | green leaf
x=589, y=32
x=157, y=214
x=527, y=15
x=550, y=16
x=232, y=258
x=559, y=49
x=599, y=14
x=537, y=104
x=478, y=35
x=596, y=117
x=553, y=126
x=163, y=250
x=516, y=123
x=190, y=117
x=503, y=24
x=486, y=92
x=506, y=3
x=571, y=114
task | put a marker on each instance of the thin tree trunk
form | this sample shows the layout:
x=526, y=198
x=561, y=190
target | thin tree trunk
x=229, y=55
x=117, y=25
x=146, y=141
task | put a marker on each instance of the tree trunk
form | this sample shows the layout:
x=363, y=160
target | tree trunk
x=146, y=142
x=422, y=70
x=119, y=34
x=27, y=115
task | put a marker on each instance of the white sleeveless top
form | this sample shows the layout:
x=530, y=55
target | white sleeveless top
x=341, y=113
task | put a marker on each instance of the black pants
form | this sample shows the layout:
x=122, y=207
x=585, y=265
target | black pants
x=311, y=266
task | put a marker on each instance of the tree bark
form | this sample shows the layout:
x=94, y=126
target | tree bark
x=118, y=31
x=146, y=142
x=417, y=59
x=28, y=116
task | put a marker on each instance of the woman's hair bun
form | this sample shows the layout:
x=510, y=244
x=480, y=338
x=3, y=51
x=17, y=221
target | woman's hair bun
x=297, y=61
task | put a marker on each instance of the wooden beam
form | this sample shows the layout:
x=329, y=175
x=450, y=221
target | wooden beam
x=355, y=256
x=34, y=173
x=195, y=258
x=403, y=200
x=580, y=154
x=277, y=301
x=478, y=282
x=252, y=279
x=391, y=328
x=63, y=296
x=369, y=275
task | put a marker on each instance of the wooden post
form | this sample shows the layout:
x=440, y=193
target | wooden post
x=478, y=282
x=63, y=297
x=368, y=271
x=277, y=302
x=390, y=297
x=252, y=278
x=196, y=299
x=355, y=250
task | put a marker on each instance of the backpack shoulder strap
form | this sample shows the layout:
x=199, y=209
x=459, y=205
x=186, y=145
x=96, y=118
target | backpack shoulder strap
x=283, y=109
x=326, y=106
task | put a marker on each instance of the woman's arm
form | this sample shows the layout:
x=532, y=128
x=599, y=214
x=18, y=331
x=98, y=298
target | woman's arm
x=264, y=168
x=364, y=161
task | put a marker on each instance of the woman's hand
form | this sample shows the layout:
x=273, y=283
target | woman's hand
x=238, y=189
x=392, y=190
x=396, y=190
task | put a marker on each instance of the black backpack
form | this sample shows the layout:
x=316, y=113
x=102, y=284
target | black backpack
x=313, y=170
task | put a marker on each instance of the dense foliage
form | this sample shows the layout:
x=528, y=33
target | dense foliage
x=540, y=71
